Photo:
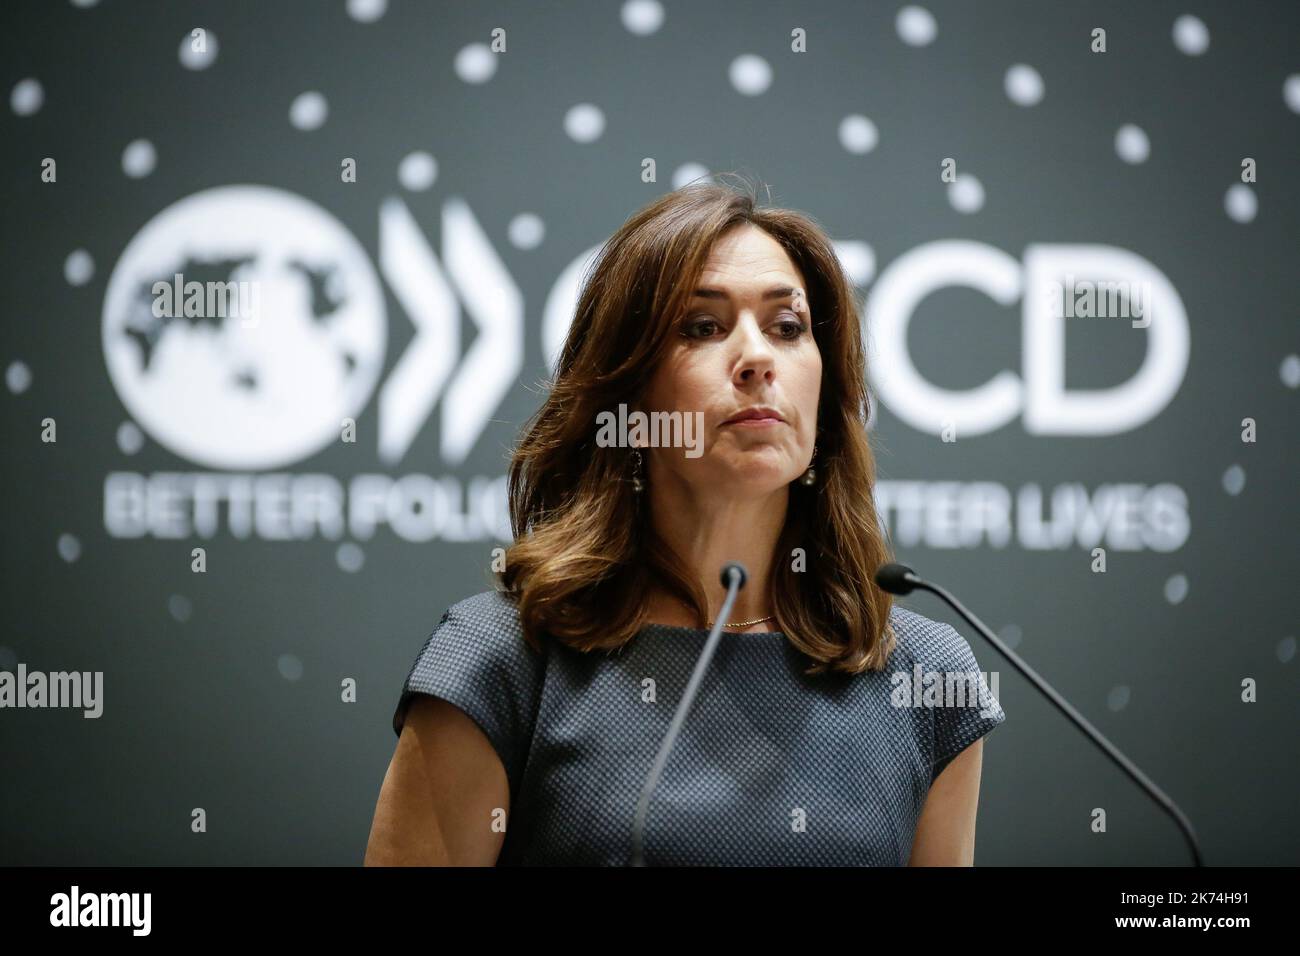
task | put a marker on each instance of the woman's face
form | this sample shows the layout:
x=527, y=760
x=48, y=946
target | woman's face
x=746, y=341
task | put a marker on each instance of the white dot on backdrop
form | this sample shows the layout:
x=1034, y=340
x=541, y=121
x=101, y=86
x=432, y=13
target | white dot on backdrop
x=858, y=134
x=1290, y=371
x=584, y=123
x=417, y=171
x=966, y=194
x=1234, y=480
x=475, y=63
x=289, y=666
x=350, y=557
x=180, y=608
x=642, y=17
x=69, y=547
x=1191, y=35
x=84, y=4
x=79, y=267
x=688, y=173
x=1176, y=589
x=916, y=26
x=8, y=658
x=1118, y=698
x=1286, y=649
x=750, y=74
x=18, y=377
x=1011, y=635
x=308, y=110
x=526, y=231
x=1291, y=92
x=193, y=59
x=1239, y=202
x=367, y=11
x=139, y=158
x=1131, y=144
x=858, y=260
x=129, y=438
x=27, y=97
x=1023, y=84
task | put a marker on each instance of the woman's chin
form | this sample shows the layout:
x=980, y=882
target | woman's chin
x=759, y=477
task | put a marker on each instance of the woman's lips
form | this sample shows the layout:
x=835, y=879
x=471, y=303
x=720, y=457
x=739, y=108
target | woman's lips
x=755, y=422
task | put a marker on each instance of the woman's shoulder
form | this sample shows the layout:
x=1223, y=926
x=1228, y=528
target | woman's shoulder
x=485, y=624
x=932, y=643
x=491, y=608
x=476, y=657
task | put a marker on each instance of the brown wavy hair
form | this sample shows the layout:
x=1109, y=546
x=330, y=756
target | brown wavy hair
x=585, y=552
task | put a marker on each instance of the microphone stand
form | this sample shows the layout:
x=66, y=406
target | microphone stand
x=900, y=579
x=733, y=579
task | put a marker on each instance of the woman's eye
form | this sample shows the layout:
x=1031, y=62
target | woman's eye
x=793, y=327
x=702, y=327
x=694, y=326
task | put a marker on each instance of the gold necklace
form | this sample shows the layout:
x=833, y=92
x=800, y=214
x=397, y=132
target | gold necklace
x=744, y=623
x=739, y=624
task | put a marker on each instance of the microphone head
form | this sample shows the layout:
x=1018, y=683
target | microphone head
x=736, y=568
x=896, y=578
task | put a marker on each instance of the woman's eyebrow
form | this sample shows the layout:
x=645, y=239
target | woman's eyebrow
x=776, y=292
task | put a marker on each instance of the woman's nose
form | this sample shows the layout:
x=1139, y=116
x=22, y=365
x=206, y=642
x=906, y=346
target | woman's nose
x=756, y=355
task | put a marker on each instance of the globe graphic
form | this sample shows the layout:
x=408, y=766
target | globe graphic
x=277, y=335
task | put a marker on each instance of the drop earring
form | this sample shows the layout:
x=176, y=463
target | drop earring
x=637, y=483
x=810, y=476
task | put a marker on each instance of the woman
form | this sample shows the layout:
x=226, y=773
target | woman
x=534, y=712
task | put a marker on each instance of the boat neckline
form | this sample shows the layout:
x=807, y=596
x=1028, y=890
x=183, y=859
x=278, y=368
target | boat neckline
x=705, y=630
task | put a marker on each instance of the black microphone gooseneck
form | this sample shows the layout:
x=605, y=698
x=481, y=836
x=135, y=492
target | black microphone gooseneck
x=900, y=579
x=733, y=579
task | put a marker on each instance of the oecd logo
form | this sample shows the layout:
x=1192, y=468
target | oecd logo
x=266, y=389
x=261, y=390
x=306, y=352
x=1038, y=391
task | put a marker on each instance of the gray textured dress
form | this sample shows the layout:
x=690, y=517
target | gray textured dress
x=771, y=767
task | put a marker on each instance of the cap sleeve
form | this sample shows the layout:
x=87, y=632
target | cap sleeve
x=477, y=660
x=958, y=724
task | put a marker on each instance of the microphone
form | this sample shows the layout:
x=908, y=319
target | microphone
x=733, y=579
x=900, y=579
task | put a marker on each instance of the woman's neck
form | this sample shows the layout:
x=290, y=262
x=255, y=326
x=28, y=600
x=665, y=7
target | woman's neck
x=707, y=533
